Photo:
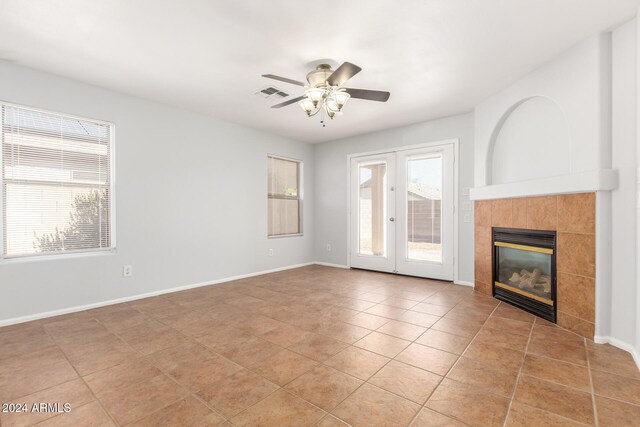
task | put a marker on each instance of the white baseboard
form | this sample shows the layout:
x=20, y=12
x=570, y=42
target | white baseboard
x=463, y=283
x=621, y=345
x=328, y=264
x=53, y=313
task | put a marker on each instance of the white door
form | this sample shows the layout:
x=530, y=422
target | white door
x=372, y=209
x=402, y=212
x=424, y=212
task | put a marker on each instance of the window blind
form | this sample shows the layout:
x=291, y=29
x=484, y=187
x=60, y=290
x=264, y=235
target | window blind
x=283, y=185
x=56, y=183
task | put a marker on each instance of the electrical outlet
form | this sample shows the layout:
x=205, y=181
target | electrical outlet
x=467, y=217
x=465, y=191
x=328, y=247
x=127, y=271
x=270, y=252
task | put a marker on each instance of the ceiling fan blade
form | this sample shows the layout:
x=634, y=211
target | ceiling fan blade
x=289, y=102
x=371, y=95
x=283, y=79
x=343, y=73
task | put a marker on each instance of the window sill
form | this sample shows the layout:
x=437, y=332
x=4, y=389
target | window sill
x=59, y=256
x=282, y=236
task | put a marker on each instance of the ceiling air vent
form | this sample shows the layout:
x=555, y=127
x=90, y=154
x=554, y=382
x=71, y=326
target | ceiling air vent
x=271, y=92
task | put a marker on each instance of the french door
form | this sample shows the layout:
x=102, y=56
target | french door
x=402, y=212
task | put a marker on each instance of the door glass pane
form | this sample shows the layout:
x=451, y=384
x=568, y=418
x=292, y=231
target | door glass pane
x=424, y=197
x=372, y=227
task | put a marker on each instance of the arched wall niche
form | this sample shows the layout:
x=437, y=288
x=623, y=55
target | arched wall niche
x=530, y=141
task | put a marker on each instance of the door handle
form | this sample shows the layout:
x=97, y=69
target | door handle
x=392, y=219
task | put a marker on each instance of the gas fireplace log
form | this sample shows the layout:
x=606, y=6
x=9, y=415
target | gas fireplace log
x=531, y=279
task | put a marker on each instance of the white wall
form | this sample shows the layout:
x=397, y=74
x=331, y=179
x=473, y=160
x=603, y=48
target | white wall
x=623, y=225
x=520, y=151
x=190, y=193
x=332, y=185
x=573, y=82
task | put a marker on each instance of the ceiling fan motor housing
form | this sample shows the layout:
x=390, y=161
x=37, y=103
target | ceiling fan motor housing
x=319, y=76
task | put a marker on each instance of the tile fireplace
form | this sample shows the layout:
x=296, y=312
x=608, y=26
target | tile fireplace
x=572, y=218
x=524, y=270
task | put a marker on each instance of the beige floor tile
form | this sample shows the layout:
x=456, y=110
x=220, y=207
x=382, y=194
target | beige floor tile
x=74, y=392
x=283, y=366
x=421, y=319
x=383, y=344
x=429, y=418
x=428, y=358
x=120, y=376
x=186, y=412
x=616, y=387
x=561, y=400
x=90, y=414
x=403, y=330
x=345, y=332
x=139, y=400
x=357, y=362
x=575, y=376
x=407, y=381
x=280, y=409
x=444, y=341
x=476, y=373
x=612, y=413
x=251, y=351
x=323, y=386
x=607, y=358
x=366, y=320
x=468, y=404
x=331, y=421
x=149, y=337
x=371, y=405
x=318, y=347
x=236, y=392
x=521, y=415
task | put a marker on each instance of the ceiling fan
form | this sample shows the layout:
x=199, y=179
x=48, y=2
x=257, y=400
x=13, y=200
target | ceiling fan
x=324, y=92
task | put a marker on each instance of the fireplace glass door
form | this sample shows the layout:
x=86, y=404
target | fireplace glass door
x=525, y=270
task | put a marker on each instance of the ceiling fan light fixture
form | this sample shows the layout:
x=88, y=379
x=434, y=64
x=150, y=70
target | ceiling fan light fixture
x=307, y=105
x=315, y=94
x=331, y=105
x=340, y=98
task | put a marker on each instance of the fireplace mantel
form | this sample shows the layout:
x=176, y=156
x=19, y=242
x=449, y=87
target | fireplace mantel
x=584, y=182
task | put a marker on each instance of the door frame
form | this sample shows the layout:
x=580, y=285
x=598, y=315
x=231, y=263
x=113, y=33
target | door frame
x=456, y=181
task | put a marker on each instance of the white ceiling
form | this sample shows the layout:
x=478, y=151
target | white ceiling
x=436, y=57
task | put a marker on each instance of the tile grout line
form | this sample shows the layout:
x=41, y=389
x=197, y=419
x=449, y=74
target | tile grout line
x=593, y=394
x=144, y=356
x=81, y=377
x=453, y=365
x=515, y=386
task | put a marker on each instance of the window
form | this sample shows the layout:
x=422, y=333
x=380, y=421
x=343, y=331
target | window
x=284, y=196
x=56, y=183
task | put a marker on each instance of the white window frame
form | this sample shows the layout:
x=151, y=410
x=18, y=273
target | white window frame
x=112, y=192
x=300, y=197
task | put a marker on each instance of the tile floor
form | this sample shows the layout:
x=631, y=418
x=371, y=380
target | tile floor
x=314, y=346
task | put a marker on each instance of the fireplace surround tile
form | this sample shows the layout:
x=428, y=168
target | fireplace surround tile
x=577, y=325
x=577, y=254
x=542, y=212
x=519, y=213
x=572, y=216
x=501, y=212
x=576, y=296
x=482, y=213
x=577, y=213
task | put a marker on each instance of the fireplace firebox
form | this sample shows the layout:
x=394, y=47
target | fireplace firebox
x=524, y=270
